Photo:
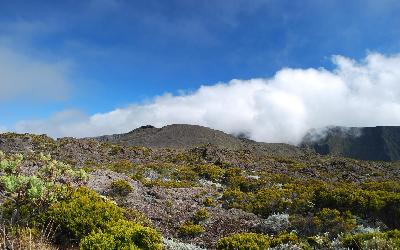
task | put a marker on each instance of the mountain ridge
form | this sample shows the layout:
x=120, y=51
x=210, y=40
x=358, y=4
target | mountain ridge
x=379, y=143
x=185, y=136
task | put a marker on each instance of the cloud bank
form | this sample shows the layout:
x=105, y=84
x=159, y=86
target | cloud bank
x=278, y=109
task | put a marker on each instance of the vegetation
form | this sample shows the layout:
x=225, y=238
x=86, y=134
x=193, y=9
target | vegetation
x=279, y=202
x=201, y=215
x=52, y=202
x=209, y=202
x=123, y=234
x=83, y=212
x=121, y=187
x=378, y=240
x=188, y=228
x=244, y=241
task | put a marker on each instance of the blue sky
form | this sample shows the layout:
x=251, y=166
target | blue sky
x=95, y=56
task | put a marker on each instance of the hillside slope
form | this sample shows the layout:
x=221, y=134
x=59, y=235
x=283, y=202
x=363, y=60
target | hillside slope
x=184, y=136
x=199, y=196
x=365, y=143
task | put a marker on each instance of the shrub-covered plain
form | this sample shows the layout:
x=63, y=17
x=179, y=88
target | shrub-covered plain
x=198, y=198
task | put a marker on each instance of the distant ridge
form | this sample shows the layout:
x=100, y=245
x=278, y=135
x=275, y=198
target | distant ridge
x=173, y=136
x=380, y=143
x=189, y=136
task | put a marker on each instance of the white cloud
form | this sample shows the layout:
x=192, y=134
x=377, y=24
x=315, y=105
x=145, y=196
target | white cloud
x=3, y=129
x=24, y=77
x=280, y=109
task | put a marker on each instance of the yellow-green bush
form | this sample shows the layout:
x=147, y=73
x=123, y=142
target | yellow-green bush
x=233, y=177
x=325, y=220
x=123, y=234
x=185, y=173
x=121, y=187
x=201, y=215
x=98, y=241
x=188, y=228
x=83, y=212
x=234, y=198
x=121, y=166
x=209, y=171
x=284, y=238
x=138, y=217
x=209, y=202
x=389, y=239
x=277, y=199
x=380, y=204
x=288, y=198
x=244, y=241
x=333, y=221
x=115, y=150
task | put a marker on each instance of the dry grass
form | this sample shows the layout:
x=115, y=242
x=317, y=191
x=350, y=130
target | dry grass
x=26, y=238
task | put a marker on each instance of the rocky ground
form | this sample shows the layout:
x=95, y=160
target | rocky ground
x=168, y=207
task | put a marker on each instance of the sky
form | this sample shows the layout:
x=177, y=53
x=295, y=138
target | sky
x=272, y=69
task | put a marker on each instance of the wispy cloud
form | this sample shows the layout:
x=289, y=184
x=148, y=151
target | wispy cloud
x=280, y=109
x=28, y=78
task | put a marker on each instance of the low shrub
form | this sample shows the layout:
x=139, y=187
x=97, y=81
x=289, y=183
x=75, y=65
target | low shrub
x=138, y=217
x=377, y=240
x=121, y=166
x=83, y=212
x=326, y=220
x=234, y=198
x=333, y=221
x=209, y=202
x=210, y=172
x=201, y=215
x=97, y=241
x=123, y=234
x=190, y=229
x=244, y=241
x=382, y=205
x=121, y=187
x=28, y=194
x=284, y=238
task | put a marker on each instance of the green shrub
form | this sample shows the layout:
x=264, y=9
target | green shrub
x=381, y=205
x=123, y=235
x=232, y=177
x=390, y=240
x=115, y=150
x=210, y=172
x=98, y=241
x=288, y=198
x=188, y=228
x=121, y=187
x=234, y=198
x=326, y=220
x=331, y=220
x=201, y=215
x=29, y=194
x=277, y=199
x=138, y=217
x=83, y=212
x=284, y=238
x=121, y=166
x=209, y=202
x=184, y=173
x=244, y=241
